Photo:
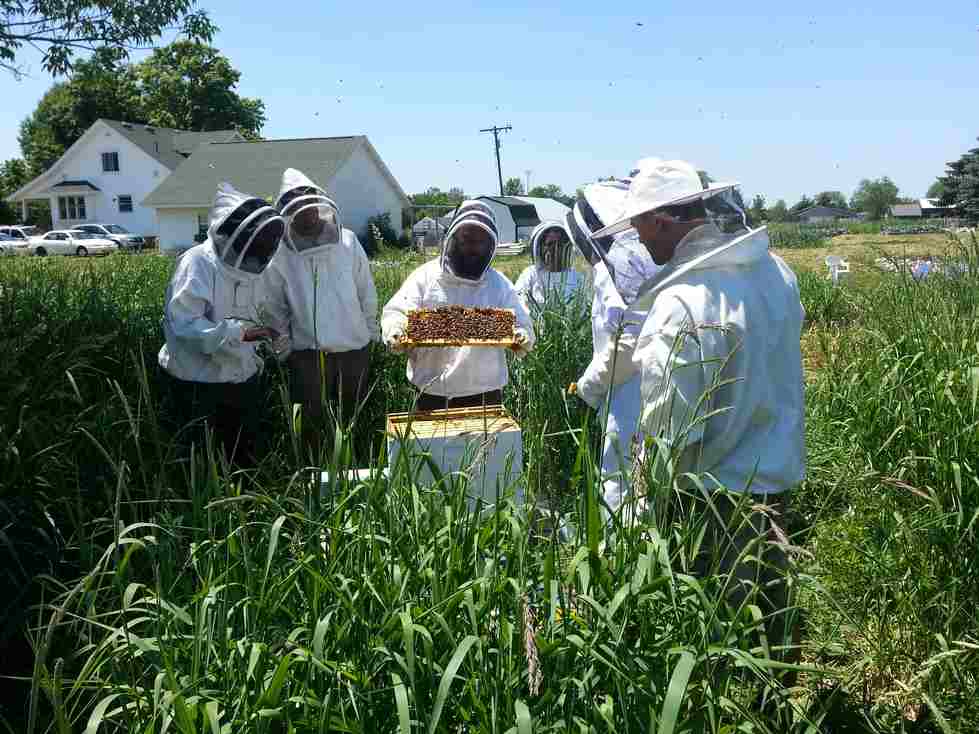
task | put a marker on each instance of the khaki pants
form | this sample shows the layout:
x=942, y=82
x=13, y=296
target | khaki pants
x=329, y=389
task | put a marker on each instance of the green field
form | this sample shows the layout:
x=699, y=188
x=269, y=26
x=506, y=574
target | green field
x=148, y=591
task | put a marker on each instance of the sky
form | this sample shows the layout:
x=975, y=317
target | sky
x=786, y=100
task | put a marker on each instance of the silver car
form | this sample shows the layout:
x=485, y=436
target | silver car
x=120, y=235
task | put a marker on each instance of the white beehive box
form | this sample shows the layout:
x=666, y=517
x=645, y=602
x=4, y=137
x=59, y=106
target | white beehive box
x=486, y=444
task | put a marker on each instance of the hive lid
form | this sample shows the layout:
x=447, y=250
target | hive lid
x=451, y=422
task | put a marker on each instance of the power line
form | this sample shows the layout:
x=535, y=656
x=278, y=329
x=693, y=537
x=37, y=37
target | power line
x=496, y=139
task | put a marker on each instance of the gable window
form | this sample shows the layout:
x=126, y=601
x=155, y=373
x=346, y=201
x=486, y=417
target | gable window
x=125, y=203
x=110, y=162
x=71, y=208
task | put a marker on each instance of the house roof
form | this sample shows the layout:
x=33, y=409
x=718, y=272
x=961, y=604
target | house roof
x=170, y=147
x=906, y=210
x=256, y=167
x=829, y=209
x=75, y=184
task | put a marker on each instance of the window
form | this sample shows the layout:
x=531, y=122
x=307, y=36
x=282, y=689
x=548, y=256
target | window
x=201, y=226
x=71, y=207
x=125, y=204
x=110, y=162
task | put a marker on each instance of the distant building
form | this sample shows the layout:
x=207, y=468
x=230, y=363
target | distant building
x=105, y=174
x=348, y=168
x=923, y=209
x=516, y=216
x=820, y=214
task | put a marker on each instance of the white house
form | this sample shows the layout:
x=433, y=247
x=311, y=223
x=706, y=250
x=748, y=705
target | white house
x=348, y=168
x=105, y=175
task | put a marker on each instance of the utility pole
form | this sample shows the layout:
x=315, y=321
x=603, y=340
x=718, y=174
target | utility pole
x=528, y=172
x=496, y=139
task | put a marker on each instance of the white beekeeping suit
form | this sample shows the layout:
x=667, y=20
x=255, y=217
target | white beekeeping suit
x=458, y=371
x=551, y=274
x=323, y=272
x=610, y=378
x=219, y=290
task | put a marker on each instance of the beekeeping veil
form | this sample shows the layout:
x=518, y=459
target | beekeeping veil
x=551, y=246
x=597, y=204
x=474, y=222
x=713, y=216
x=312, y=218
x=244, y=230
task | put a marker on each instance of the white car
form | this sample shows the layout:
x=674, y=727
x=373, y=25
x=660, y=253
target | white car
x=71, y=242
x=120, y=235
x=10, y=246
x=21, y=234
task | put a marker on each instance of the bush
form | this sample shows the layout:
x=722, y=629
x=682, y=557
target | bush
x=379, y=233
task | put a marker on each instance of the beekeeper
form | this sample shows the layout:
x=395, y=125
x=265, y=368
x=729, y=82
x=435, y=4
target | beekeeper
x=463, y=275
x=551, y=274
x=615, y=329
x=219, y=307
x=721, y=365
x=325, y=278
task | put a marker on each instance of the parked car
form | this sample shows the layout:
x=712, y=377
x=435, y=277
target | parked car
x=12, y=245
x=120, y=235
x=72, y=242
x=23, y=232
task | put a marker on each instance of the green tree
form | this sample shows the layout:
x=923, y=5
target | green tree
x=705, y=178
x=758, y=212
x=513, y=187
x=875, y=197
x=191, y=86
x=834, y=199
x=937, y=190
x=551, y=191
x=437, y=199
x=13, y=175
x=62, y=28
x=779, y=212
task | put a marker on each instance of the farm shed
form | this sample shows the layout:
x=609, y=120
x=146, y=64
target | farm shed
x=816, y=214
x=516, y=216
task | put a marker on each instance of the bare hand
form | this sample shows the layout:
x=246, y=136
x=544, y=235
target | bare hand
x=258, y=333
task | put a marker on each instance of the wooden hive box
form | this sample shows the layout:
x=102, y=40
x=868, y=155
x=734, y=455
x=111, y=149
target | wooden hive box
x=486, y=444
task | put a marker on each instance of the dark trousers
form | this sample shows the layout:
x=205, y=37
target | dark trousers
x=329, y=386
x=440, y=402
x=231, y=410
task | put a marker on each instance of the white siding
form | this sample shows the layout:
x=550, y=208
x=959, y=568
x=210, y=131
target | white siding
x=177, y=228
x=138, y=175
x=362, y=191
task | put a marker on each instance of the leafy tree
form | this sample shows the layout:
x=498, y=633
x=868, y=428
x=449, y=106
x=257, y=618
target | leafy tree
x=705, y=178
x=61, y=28
x=757, y=212
x=834, y=199
x=513, y=187
x=952, y=181
x=435, y=197
x=106, y=86
x=551, y=191
x=875, y=197
x=13, y=175
x=191, y=86
x=779, y=212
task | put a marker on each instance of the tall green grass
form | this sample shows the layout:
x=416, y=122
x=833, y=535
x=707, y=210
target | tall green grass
x=170, y=592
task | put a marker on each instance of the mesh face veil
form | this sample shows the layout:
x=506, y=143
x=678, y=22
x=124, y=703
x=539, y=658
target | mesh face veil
x=469, y=245
x=248, y=237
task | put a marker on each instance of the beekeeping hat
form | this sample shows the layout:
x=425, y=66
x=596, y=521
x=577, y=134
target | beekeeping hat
x=657, y=184
x=244, y=230
x=561, y=252
x=453, y=258
x=597, y=204
x=312, y=218
x=474, y=205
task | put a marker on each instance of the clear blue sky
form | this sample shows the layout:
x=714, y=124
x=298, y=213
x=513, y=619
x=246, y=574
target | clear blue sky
x=786, y=101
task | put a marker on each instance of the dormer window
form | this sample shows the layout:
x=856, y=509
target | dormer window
x=110, y=162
